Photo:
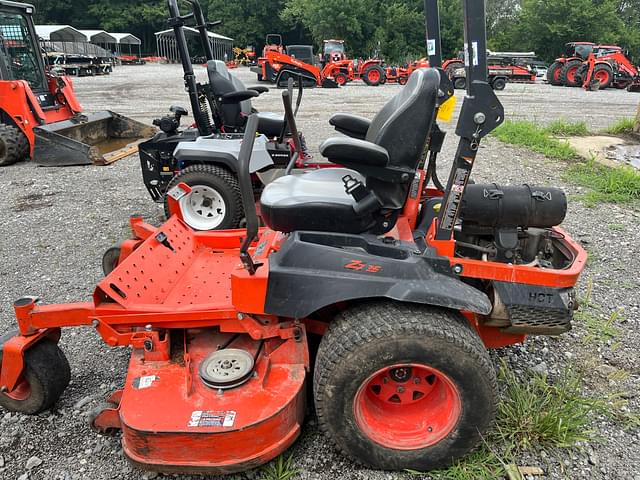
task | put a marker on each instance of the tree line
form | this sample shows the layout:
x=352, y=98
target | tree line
x=394, y=29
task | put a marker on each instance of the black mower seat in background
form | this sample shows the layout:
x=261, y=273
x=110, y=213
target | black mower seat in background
x=387, y=160
x=235, y=114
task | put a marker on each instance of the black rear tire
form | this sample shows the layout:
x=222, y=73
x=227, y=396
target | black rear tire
x=460, y=83
x=110, y=260
x=47, y=374
x=553, y=74
x=604, y=71
x=565, y=76
x=377, y=72
x=382, y=334
x=219, y=181
x=14, y=145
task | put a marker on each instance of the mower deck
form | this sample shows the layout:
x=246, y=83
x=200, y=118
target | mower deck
x=190, y=427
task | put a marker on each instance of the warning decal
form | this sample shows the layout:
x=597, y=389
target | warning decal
x=144, y=382
x=209, y=418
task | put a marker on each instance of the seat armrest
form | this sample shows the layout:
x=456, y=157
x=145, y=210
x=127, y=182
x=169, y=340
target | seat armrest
x=354, y=152
x=351, y=125
x=239, y=96
x=259, y=88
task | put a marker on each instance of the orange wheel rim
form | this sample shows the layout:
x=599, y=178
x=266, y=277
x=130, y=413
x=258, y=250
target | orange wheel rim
x=407, y=407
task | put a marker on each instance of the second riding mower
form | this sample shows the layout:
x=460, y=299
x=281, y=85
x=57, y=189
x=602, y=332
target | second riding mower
x=205, y=156
x=406, y=285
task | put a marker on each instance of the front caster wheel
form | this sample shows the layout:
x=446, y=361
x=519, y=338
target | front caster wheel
x=46, y=374
x=403, y=386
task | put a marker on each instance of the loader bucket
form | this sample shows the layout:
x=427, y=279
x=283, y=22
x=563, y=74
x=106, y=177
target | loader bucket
x=329, y=83
x=99, y=138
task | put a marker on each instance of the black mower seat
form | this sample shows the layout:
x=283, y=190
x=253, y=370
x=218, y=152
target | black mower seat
x=235, y=114
x=270, y=124
x=316, y=200
x=386, y=162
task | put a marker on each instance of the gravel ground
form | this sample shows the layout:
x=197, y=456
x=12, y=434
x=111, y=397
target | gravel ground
x=59, y=221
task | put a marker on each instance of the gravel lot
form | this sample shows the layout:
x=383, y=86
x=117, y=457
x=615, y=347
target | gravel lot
x=59, y=221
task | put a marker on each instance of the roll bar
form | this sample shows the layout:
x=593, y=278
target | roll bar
x=177, y=22
x=481, y=110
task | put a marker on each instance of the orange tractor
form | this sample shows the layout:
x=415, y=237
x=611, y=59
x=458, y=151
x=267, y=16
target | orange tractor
x=40, y=116
x=607, y=66
x=563, y=70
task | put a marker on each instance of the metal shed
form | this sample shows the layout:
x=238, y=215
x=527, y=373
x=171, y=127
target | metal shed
x=126, y=39
x=60, y=33
x=101, y=38
x=166, y=44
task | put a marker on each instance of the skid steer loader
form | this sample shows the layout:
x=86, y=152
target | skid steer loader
x=40, y=116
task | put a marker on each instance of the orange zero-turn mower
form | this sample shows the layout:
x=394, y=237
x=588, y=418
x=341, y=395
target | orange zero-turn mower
x=407, y=286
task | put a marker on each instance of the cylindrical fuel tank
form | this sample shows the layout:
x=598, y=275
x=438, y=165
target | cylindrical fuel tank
x=492, y=205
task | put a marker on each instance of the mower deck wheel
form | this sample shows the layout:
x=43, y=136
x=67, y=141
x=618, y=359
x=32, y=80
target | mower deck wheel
x=46, y=375
x=403, y=386
x=214, y=203
x=14, y=146
x=110, y=260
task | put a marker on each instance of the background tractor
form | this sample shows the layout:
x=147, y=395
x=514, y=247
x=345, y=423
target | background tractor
x=40, y=116
x=563, y=70
x=607, y=66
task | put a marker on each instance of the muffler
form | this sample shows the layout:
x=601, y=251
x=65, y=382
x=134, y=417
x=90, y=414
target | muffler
x=99, y=138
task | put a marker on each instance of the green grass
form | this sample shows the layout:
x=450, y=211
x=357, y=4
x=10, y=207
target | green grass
x=607, y=184
x=600, y=328
x=482, y=464
x=562, y=128
x=536, y=138
x=622, y=126
x=279, y=469
x=536, y=413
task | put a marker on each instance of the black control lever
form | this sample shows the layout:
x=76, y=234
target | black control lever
x=290, y=122
x=246, y=190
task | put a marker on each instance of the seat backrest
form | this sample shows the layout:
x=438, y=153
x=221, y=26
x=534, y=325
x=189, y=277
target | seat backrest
x=402, y=127
x=404, y=123
x=222, y=81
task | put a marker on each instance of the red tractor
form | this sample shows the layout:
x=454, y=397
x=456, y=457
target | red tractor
x=272, y=43
x=607, y=66
x=563, y=70
x=400, y=75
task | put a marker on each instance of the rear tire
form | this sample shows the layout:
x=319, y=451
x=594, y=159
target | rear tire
x=14, y=145
x=553, y=74
x=373, y=75
x=567, y=74
x=46, y=375
x=460, y=83
x=445, y=383
x=603, y=74
x=214, y=203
